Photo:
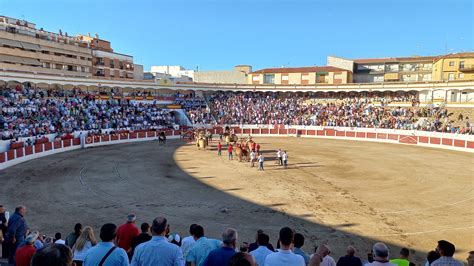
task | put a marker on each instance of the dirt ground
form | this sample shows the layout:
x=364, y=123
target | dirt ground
x=342, y=192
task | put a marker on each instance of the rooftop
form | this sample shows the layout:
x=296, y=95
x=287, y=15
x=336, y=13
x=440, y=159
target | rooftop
x=298, y=70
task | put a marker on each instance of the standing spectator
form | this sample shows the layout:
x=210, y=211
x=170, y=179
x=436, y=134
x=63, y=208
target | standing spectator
x=141, y=238
x=279, y=157
x=262, y=251
x=16, y=231
x=105, y=251
x=72, y=237
x=126, y=232
x=53, y=255
x=253, y=157
x=3, y=232
x=349, y=259
x=82, y=245
x=284, y=157
x=432, y=256
x=201, y=248
x=380, y=251
x=221, y=256
x=58, y=240
x=261, y=159
x=24, y=253
x=298, y=244
x=257, y=147
x=188, y=242
x=470, y=258
x=230, y=149
x=284, y=256
x=403, y=260
x=446, y=251
x=253, y=246
x=328, y=260
x=158, y=251
x=219, y=148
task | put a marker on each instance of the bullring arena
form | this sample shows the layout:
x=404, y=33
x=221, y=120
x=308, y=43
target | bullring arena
x=339, y=191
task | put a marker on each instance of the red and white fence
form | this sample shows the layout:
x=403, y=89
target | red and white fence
x=428, y=139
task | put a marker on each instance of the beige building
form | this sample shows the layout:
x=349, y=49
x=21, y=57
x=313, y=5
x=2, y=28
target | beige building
x=458, y=66
x=301, y=76
x=238, y=75
x=25, y=49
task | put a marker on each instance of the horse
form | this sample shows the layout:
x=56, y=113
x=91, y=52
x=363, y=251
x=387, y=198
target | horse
x=242, y=152
x=162, y=138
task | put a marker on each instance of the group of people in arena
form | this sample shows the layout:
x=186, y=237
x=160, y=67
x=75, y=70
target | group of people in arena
x=27, y=111
x=157, y=244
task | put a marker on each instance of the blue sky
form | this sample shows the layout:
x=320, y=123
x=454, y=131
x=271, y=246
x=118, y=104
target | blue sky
x=218, y=34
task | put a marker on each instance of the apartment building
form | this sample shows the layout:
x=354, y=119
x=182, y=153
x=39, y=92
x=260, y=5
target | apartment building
x=457, y=66
x=26, y=49
x=300, y=76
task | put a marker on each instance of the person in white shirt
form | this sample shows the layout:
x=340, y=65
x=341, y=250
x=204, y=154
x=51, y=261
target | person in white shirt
x=279, y=156
x=261, y=159
x=253, y=156
x=58, y=240
x=328, y=261
x=284, y=157
x=285, y=256
x=262, y=251
x=188, y=242
x=85, y=242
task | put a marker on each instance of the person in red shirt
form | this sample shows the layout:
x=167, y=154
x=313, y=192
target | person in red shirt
x=258, y=148
x=126, y=232
x=230, y=149
x=253, y=146
x=24, y=253
x=219, y=149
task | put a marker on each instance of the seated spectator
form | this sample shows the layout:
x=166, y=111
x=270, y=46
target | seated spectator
x=349, y=259
x=242, y=259
x=381, y=255
x=72, y=237
x=24, y=253
x=105, y=251
x=298, y=244
x=141, y=238
x=53, y=255
x=284, y=256
x=446, y=251
x=83, y=244
x=221, y=256
x=403, y=260
x=188, y=242
x=201, y=248
x=158, y=251
x=58, y=240
x=262, y=251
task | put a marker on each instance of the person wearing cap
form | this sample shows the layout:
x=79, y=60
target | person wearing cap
x=24, y=253
x=158, y=251
x=381, y=254
x=126, y=233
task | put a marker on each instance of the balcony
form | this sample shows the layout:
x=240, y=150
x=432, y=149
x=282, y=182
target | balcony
x=466, y=68
x=99, y=63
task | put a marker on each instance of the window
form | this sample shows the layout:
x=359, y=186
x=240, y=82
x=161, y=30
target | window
x=255, y=78
x=451, y=76
x=461, y=75
x=269, y=79
x=338, y=76
x=304, y=77
x=451, y=63
x=461, y=65
x=284, y=77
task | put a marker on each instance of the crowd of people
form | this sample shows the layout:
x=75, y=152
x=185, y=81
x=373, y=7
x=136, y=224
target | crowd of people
x=156, y=244
x=301, y=109
x=27, y=112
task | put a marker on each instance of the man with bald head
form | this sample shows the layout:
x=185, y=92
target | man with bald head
x=349, y=259
x=381, y=253
x=158, y=251
x=221, y=256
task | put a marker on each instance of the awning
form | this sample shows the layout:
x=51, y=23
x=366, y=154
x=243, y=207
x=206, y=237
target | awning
x=19, y=60
x=11, y=43
x=31, y=46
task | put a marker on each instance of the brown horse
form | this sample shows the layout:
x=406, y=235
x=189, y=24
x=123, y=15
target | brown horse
x=241, y=152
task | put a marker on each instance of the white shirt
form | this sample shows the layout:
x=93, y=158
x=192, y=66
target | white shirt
x=328, y=261
x=285, y=157
x=60, y=241
x=261, y=159
x=260, y=254
x=284, y=258
x=252, y=155
x=186, y=244
x=279, y=154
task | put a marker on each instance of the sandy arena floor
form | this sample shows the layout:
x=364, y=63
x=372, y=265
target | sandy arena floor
x=343, y=192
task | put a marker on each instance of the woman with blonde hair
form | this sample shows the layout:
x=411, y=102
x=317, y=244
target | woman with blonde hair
x=85, y=241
